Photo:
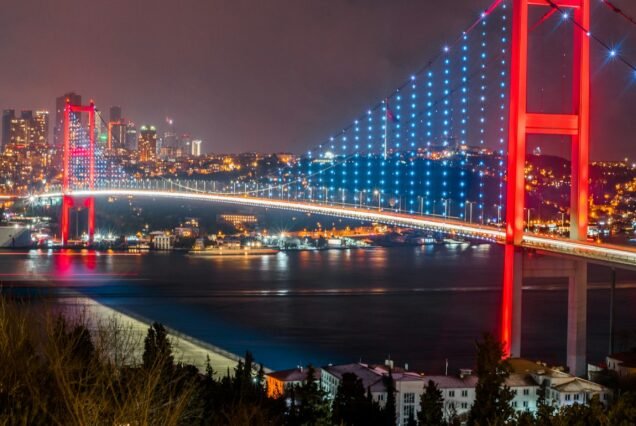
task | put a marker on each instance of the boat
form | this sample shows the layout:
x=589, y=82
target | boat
x=455, y=241
x=216, y=251
x=15, y=236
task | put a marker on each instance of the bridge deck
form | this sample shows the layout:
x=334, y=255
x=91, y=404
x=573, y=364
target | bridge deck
x=605, y=253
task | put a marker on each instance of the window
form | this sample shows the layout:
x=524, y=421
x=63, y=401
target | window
x=409, y=411
x=381, y=397
x=526, y=391
x=567, y=397
x=464, y=405
x=464, y=393
x=514, y=391
x=514, y=404
x=539, y=391
x=409, y=398
x=525, y=404
x=576, y=396
x=451, y=393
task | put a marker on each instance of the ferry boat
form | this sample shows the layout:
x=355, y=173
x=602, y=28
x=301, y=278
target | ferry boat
x=15, y=236
x=231, y=251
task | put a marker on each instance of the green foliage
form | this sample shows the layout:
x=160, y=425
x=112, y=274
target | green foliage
x=431, y=406
x=390, y=413
x=310, y=403
x=352, y=406
x=623, y=412
x=492, y=396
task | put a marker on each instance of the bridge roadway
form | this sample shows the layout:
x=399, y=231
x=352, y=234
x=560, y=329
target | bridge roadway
x=603, y=253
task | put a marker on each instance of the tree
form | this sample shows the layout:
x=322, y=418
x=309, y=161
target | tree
x=390, y=418
x=312, y=404
x=431, y=406
x=492, y=396
x=623, y=412
x=352, y=406
x=545, y=410
x=157, y=348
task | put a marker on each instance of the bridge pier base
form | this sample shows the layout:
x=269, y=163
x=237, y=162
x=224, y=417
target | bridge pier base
x=517, y=268
x=577, y=320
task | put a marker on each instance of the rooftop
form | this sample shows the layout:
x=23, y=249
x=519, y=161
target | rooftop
x=293, y=375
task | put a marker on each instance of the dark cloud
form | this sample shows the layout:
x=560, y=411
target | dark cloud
x=252, y=75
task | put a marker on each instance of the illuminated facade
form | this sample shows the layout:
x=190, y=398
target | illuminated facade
x=60, y=104
x=147, y=144
x=196, y=148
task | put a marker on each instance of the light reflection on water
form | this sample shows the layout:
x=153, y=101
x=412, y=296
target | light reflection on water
x=420, y=305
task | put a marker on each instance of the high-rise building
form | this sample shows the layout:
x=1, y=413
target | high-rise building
x=19, y=132
x=147, y=145
x=117, y=129
x=58, y=133
x=41, y=127
x=196, y=148
x=7, y=116
x=114, y=113
x=185, y=144
x=131, y=136
x=29, y=130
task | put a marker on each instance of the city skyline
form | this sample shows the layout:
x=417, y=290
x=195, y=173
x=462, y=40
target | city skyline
x=298, y=81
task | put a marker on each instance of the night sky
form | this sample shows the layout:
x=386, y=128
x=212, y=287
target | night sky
x=266, y=75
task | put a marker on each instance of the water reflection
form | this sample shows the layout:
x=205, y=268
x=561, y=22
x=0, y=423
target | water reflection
x=419, y=304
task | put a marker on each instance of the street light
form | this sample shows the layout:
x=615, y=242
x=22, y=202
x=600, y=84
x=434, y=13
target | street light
x=376, y=192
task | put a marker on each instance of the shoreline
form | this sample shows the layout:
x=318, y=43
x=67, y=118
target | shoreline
x=186, y=349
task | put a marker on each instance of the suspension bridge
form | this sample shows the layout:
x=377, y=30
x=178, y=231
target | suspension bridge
x=444, y=151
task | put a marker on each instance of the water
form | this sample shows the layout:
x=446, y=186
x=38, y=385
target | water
x=419, y=305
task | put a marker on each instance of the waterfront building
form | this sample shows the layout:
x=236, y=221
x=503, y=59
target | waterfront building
x=161, y=241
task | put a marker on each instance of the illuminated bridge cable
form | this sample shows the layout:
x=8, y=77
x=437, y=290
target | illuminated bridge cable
x=618, y=11
x=380, y=105
x=431, y=106
x=613, y=53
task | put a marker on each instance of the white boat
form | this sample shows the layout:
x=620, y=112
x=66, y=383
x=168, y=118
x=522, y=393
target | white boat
x=14, y=236
x=455, y=241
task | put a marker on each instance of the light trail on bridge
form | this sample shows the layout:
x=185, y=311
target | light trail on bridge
x=604, y=253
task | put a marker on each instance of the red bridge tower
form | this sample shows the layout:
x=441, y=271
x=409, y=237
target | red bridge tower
x=522, y=122
x=69, y=179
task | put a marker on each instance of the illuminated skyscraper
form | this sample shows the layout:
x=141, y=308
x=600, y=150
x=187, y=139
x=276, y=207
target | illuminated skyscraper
x=40, y=127
x=131, y=136
x=58, y=133
x=114, y=113
x=196, y=148
x=7, y=116
x=19, y=133
x=147, y=145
